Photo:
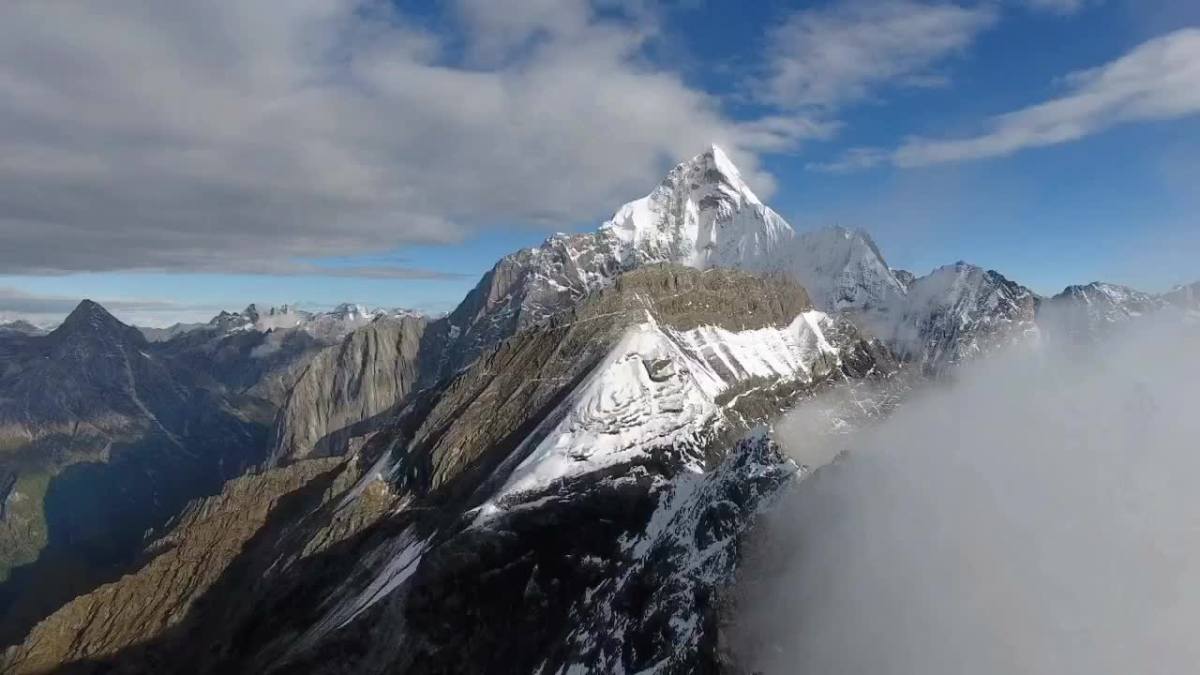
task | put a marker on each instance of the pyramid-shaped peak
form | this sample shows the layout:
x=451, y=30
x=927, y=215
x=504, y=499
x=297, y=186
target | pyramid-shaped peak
x=701, y=215
x=90, y=318
x=721, y=161
x=89, y=311
x=712, y=170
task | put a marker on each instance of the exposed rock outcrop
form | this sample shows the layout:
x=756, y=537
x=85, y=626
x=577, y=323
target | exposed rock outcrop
x=186, y=563
x=345, y=386
x=957, y=312
x=1086, y=312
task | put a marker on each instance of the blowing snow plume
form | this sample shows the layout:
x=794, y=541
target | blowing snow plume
x=1041, y=515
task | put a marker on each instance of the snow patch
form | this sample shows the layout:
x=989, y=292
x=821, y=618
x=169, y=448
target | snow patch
x=658, y=387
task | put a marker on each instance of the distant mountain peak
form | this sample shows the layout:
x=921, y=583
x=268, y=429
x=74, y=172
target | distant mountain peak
x=703, y=214
x=842, y=269
x=715, y=160
x=90, y=315
x=21, y=327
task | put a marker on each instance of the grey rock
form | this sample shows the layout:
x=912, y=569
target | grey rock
x=342, y=386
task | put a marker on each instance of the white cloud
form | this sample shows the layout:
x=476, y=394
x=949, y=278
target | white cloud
x=838, y=55
x=1037, y=516
x=1058, y=6
x=243, y=136
x=1158, y=80
x=854, y=159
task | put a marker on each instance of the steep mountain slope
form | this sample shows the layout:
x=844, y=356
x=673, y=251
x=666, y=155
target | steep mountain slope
x=536, y=478
x=842, y=270
x=19, y=328
x=1086, y=312
x=261, y=353
x=204, y=541
x=1184, y=297
x=904, y=277
x=956, y=312
x=702, y=215
x=345, y=386
x=99, y=441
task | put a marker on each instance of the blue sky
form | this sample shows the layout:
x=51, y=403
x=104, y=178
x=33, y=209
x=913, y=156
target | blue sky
x=388, y=154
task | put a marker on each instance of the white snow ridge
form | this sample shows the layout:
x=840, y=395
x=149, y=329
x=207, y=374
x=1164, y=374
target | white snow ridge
x=658, y=387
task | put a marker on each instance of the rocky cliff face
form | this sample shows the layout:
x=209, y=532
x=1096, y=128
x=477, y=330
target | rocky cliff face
x=343, y=387
x=957, y=312
x=257, y=364
x=702, y=215
x=843, y=270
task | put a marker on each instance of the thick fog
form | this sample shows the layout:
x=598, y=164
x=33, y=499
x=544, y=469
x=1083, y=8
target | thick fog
x=1041, y=515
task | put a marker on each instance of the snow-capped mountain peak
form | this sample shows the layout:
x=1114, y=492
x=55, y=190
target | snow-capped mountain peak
x=1083, y=312
x=702, y=215
x=348, y=310
x=842, y=270
x=328, y=326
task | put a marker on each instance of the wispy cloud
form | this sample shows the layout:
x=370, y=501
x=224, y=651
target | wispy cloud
x=854, y=159
x=1158, y=80
x=842, y=54
x=1059, y=6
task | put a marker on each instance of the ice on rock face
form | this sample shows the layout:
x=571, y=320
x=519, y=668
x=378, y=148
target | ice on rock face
x=702, y=215
x=842, y=270
x=1083, y=312
x=957, y=311
x=658, y=387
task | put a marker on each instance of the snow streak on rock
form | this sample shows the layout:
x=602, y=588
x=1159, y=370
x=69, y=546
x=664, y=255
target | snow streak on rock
x=659, y=388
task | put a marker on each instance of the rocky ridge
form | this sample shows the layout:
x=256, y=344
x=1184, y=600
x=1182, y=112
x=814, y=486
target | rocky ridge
x=185, y=564
x=443, y=466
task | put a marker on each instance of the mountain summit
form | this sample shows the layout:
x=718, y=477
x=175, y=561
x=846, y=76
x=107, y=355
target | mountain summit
x=90, y=332
x=91, y=317
x=702, y=215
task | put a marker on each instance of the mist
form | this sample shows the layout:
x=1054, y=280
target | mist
x=1039, y=515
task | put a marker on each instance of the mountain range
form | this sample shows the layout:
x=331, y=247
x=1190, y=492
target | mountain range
x=553, y=477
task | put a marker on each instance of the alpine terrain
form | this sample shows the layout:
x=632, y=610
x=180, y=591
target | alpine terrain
x=555, y=477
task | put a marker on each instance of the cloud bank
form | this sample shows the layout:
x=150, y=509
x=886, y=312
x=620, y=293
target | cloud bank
x=243, y=136
x=1037, y=517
